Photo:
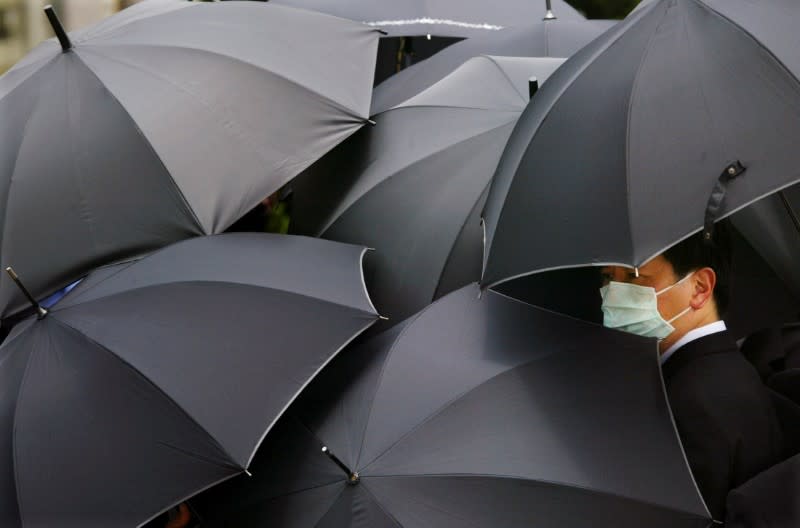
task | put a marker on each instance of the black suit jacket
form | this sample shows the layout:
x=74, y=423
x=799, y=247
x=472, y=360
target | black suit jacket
x=724, y=414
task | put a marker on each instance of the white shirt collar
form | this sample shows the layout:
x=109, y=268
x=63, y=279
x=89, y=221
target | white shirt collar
x=697, y=333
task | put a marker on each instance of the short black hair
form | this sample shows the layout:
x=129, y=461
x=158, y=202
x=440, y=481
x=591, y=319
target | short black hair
x=696, y=252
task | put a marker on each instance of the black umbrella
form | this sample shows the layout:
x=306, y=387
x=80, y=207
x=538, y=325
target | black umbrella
x=171, y=119
x=444, y=18
x=682, y=114
x=480, y=412
x=549, y=38
x=157, y=378
x=413, y=186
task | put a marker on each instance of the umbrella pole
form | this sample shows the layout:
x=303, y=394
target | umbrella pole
x=39, y=309
x=58, y=29
x=352, y=476
x=790, y=210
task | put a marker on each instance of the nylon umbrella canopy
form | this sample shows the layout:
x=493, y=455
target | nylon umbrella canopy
x=413, y=186
x=685, y=112
x=558, y=38
x=483, y=412
x=169, y=120
x=443, y=18
x=157, y=378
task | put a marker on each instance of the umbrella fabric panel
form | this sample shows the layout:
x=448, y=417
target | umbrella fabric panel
x=413, y=232
x=59, y=400
x=212, y=371
x=670, y=122
x=12, y=371
x=543, y=39
x=86, y=212
x=457, y=501
x=313, y=268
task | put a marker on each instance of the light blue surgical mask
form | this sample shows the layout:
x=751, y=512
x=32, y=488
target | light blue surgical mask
x=634, y=309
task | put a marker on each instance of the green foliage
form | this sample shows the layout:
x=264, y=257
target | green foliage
x=604, y=8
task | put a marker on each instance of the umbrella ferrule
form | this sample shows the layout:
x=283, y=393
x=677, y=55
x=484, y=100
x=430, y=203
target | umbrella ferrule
x=549, y=13
x=41, y=312
x=58, y=29
x=352, y=476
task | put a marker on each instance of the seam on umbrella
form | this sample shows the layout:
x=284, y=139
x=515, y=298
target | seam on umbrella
x=629, y=113
x=358, y=311
x=172, y=403
x=335, y=500
x=14, y=430
x=177, y=191
x=297, y=393
x=379, y=382
x=555, y=268
x=560, y=92
x=16, y=157
x=339, y=213
x=76, y=298
x=494, y=62
x=449, y=403
x=236, y=130
x=586, y=489
x=747, y=33
x=380, y=506
x=335, y=104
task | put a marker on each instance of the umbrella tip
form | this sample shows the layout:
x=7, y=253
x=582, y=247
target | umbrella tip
x=533, y=86
x=58, y=29
x=40, y=311
x=549, y=13
x=371, y=122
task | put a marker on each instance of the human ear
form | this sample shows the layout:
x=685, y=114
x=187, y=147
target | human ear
x=703, y=282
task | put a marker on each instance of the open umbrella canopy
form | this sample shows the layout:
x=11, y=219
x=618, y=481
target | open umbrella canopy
x=558, y=38
x=482, y=412
x=154, y=379
x=444, y=18
x=413, y=186
x=685, y=112
x=168, y=120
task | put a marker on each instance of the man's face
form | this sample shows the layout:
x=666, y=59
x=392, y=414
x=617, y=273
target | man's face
x=657, y=274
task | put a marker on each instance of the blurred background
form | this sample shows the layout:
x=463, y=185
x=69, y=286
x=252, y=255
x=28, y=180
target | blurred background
x=23, y=24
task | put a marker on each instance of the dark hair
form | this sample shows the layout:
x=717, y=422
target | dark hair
x=696, y=252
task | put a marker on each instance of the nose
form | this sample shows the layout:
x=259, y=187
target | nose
x=613, y=273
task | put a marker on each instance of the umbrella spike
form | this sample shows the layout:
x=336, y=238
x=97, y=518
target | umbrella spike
x=58, y=29
x=549, y=13
x=41, y=312
x=352, y=476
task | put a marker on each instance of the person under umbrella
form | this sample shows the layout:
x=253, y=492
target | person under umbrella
x=412, y=186
x=479, y=411
x=156, y=378
x=724, y=414
x=168, y=120
x=641, y=139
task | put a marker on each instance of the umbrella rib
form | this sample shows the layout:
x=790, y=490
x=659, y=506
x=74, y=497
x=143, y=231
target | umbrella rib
x=553, y=483
x=629, y=112
x=147, y=380
x=752, y=37
x=339, y=106
x=181, y=197
x=341, y=211
x=446, y=405
x=494, y=62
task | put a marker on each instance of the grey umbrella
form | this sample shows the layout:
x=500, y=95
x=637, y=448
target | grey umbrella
x=413, y=186
x=685, y=112
x=480, y=412
x=550, y=38
x=168, y=120
x=154, y=379
x=444, y=18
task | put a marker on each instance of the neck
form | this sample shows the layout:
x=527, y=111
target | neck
x=698, y=321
